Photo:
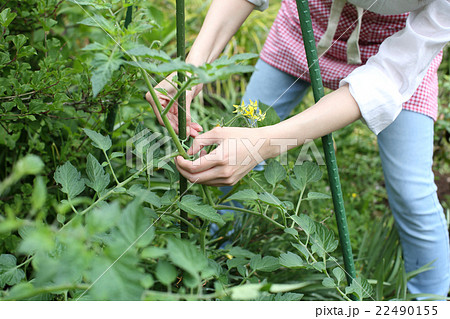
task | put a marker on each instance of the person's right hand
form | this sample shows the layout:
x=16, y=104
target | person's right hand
x=192, y=129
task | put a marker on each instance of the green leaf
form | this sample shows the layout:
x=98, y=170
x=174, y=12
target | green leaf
x=244, y=195
x=324, y=239
x=274, y=172
x=271, y=199
x=360, y=287
x=315, y=195
x=328, y=282
x=98, y=140
x=153, y=252
x=136, y=225
x=289, y=296
x=267, y=263
x=39, y=194
x=70, y=180
x=305, y=173
x=165, y=272
x=98, y=179
x=238, y=261
x=339, y=274
x=187, y=256
x=143, y=51
x=291, y=260
x=246, y=292
x=103, y=68
x=305, y=222
x=302, y=250
x=103, y=217
x=9, y=273
x=29, y=165
x=240, y=252
x=194, y=206
x=144, y=195
x=99, y=21
x=291, y=231
x=94, y=47
x=271, y=118
x=6, y=17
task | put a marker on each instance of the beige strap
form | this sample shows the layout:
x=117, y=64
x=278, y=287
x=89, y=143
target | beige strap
x=353, y=53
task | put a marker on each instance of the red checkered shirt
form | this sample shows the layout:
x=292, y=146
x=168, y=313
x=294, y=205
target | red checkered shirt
x=284, y=49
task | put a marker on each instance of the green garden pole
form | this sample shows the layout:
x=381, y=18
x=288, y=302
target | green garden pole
x=181, y=100
x=330, y=157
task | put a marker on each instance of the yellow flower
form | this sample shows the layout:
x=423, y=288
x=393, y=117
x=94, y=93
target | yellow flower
x=354, y=195
x=250, y=111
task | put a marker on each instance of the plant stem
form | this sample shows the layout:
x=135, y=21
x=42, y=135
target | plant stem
x=224, y=207
x=38, y=291
x=177, y=95
x=167, y=124
x=298, y=205
x=110, y=166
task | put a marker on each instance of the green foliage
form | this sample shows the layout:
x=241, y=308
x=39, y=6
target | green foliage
x=119, y=238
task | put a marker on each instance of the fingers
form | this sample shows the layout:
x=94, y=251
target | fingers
x=208, y=138
x=214, y=176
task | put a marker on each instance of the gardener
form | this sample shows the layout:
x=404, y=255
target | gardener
x=382, y=65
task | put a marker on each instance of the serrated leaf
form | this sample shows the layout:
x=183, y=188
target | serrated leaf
x=305, y=222
x=103, y=68
x=289, y=296
x=316, y=195
x=98, y=179
x=244, y=195
x=194, y=206
x=240, y=252
x=187, y=256
x=143, y=51
x=291, y=260
x=306, y=173
x=270, y=199
x=360, y=287
x=238, y=261
x=324, y=239
x=339, y=274
x=291, y=231
x=267, y=263
x=165, y=272
x=98, y=140
x=9, y=273
x=136, y=224
x=70, y=180
x=274, y=172
x=302, y=250
x=98, y=21
x=144, y=195
x=320, y=266
x=271, y=118
x=328, y=282
x=94, y=47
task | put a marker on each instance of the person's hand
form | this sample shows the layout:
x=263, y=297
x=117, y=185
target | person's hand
x=238, y=151
x=192, y=129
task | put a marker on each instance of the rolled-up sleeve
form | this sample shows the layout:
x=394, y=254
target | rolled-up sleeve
x=391, y=77
x=261, y=5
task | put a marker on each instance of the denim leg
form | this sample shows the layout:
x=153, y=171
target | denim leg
x=406, y=150
x=275, y=88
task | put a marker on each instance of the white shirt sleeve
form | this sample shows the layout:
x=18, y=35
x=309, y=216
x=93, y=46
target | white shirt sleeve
x=261, y=5
x=391, y=77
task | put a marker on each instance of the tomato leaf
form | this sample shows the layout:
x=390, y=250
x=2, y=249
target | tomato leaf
x=9, y=273
x=98, y=179
x=274, y=172
x=194, y=206
x=70, y=180
x=98, y=140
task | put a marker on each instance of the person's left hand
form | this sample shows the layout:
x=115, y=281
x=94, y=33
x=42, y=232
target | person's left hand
x=238, y=151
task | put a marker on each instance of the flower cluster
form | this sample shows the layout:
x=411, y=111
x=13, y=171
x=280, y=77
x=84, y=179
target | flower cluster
x=250, y=111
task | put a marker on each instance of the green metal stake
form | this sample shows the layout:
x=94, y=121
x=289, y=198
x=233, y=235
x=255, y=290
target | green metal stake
x=330, y=157
x=181, y=101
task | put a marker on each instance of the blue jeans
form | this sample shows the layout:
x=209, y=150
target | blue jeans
x=406, y=151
